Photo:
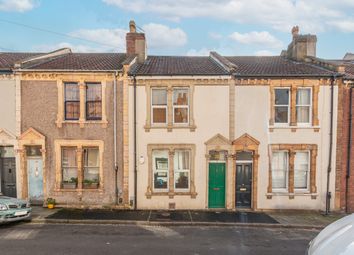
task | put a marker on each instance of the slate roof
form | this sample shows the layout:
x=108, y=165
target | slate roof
x=348, y=65
x=8, y=59
x=179, y=65
x=83, y=62
x=275, y=66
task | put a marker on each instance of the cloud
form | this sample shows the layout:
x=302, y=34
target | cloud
x=16, y=5
x=200, y=52
x=312, y=16
x=215, y=36
x=265, y=53
x=263, y=38
x=161, y=36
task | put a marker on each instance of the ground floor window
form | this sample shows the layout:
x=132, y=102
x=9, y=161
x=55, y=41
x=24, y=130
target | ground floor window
x=293, y=168
x=171, y=169
x=80, y=164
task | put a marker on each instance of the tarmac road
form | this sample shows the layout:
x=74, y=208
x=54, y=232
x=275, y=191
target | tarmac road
x=69, y=239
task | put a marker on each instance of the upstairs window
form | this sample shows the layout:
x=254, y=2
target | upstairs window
x=181, y=106
x=159, y=106
x=72, y=101
x=93, y=101
x=303, y=105
x=281, y=105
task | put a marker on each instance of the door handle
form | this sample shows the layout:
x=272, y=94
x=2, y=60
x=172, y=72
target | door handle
x=243, y=189
x=216, y=188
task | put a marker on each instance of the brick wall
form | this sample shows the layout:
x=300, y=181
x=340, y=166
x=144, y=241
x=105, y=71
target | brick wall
x=342, y=152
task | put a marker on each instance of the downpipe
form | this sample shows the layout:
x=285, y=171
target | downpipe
x=135, y=153
x=350, y=134
x=115, y=137
x=329, y=168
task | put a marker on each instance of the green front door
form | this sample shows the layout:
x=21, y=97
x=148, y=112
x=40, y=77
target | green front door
x=216, y=185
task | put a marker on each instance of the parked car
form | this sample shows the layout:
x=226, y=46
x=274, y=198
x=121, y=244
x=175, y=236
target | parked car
x=337, y=238
x=13, y=209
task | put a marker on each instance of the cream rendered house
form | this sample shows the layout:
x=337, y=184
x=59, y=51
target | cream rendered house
x=232, y=132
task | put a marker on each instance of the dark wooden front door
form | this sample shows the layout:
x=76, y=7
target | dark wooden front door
x=244, y=185
x=8, y=176
x=216, y=185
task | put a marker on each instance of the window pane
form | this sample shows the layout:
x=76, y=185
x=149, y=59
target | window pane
x=160, y=167
x=279, y=169
x=94, y=110
x=182, y=180
x=281, y=114
x=180, y=96
x=72, y=110
x=159, y=97
x=93, y=92
x=91, y=166
x=301, y=170
x=281, y=96
x=303, y=114
x=181, y=160
x=159, y=115
x=69, y=165
x=181, y=115
x=91, y=157
x=7, y=152
x=72, y=92
x=303, y=97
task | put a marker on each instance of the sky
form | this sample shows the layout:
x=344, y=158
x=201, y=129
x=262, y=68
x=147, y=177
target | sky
x=177, y=27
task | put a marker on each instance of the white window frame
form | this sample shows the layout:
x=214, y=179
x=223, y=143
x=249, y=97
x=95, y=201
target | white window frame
x=310, y=105
x=287, y=173
x=180, y=106
x=159, y=107
x=154, y=170
x=308, y=172
x=282, y=105
x=182, y=171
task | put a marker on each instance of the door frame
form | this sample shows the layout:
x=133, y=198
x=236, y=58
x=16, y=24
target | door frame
x=31, y=137
x=225, y=183
x=252, y=174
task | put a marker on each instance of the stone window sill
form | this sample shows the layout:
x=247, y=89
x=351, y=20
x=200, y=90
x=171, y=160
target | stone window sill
x=192, y=128
x=292, y=195
x=82, y=124
x=171, y=194
x=293, y=128
x=79, y=190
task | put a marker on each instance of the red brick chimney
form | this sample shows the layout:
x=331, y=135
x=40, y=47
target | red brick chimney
x=136, y=43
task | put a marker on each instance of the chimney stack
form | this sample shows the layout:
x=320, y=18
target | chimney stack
x=136, y=43
x=301, y=45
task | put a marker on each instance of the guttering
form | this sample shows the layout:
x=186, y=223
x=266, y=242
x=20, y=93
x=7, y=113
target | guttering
x=115, y=135
x=135, y=153
x=329, y=168
x=347, y=177
x=65, y=71
x=249, y=76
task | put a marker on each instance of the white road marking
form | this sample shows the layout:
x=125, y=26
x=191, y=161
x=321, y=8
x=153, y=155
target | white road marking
x=22, y=234
x=162, y=231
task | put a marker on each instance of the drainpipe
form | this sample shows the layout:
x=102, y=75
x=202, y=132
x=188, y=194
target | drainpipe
x=135, y=163
x=349, y=150
x=115, y=135
x=329, y=169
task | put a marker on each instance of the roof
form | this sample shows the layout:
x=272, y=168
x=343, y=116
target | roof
x=8, y=59
x=274, y=66
x=83, y=62
x=348, y=67
x=178, y=65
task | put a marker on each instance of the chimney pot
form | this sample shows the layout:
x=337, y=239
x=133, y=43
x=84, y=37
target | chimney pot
x=295, y=31
x=132, y=26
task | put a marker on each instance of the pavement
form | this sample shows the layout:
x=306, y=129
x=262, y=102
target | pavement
x=274, y=219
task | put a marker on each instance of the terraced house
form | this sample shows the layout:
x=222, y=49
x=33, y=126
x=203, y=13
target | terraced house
x=233, y=132
x=70, y=144
x=130, y=130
